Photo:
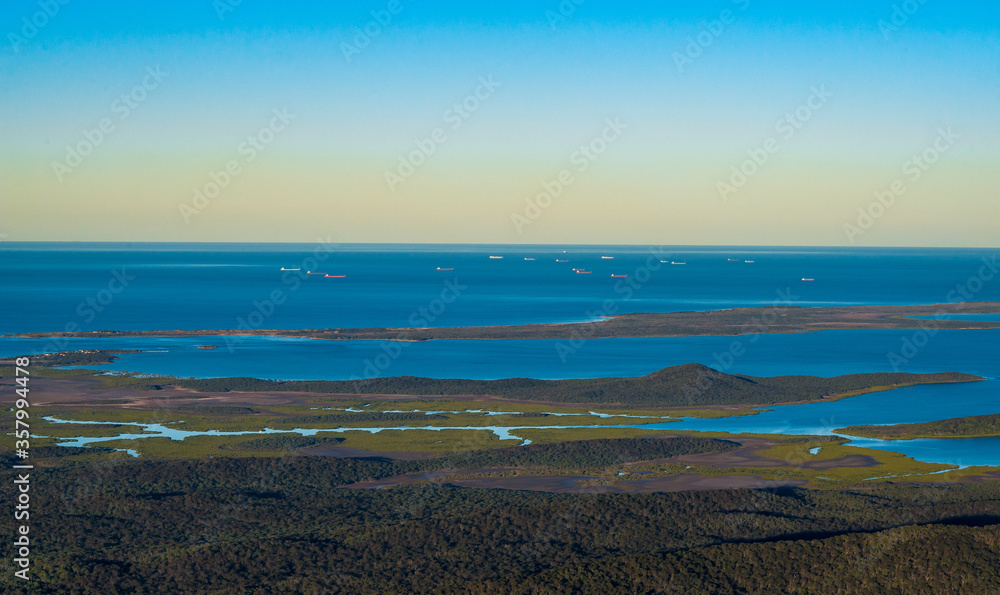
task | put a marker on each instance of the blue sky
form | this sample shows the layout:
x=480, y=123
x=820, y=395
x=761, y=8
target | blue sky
x=892, y=90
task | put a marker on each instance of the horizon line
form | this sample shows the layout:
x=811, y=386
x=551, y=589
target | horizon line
x=517, y=246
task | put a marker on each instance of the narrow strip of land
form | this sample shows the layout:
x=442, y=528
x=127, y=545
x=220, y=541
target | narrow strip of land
x=978, y=426
x=688, y=385
x=732, y=322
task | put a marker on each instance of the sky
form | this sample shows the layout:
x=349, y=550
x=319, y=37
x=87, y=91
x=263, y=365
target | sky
x=746, y=122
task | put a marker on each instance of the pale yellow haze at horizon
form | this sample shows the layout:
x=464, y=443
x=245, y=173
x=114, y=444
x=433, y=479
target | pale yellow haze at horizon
x=623, y=198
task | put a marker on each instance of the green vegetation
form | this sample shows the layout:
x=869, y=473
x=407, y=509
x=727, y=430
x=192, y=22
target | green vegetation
x=591, y=454
x=343, y=419
x=59, y=452
x=557, y=451
x=223, y=410
x=800, y=464
x=184, y=420
x=285, y=442
x=281, y=525
x=689, y=385
x=914, y=559
x=252, y=514
x=978, y=426
x=87, y=357
x=7, y=370
x=442, y=442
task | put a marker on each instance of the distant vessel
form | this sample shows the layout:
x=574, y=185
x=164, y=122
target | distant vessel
x=496, y=256
x=441, y=269
x=557, y=260
x=672, y=262
x=284, y=269
x=748, y=261
x=312, y=273
x=529, y=259
x=734, y=260
x=336, y=276
x=619, y=275
x=805, y=279
x=582, y=272
x=607, y=257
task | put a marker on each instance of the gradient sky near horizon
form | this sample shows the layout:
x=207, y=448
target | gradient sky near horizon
x=893, y=87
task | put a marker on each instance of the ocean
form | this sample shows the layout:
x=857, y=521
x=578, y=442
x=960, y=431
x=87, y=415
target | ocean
x=57, y=287
x=81, y=286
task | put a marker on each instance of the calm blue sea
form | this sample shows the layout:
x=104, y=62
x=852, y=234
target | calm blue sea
x=49, y=287
x=89, y=287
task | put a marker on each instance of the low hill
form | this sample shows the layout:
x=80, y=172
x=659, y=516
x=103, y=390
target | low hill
x=677, y=386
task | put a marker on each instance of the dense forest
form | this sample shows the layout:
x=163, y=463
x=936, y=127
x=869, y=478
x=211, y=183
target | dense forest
x=677, y=386
x=263, y=526
x=954, y=556
x=585, y=454
x=291, y=524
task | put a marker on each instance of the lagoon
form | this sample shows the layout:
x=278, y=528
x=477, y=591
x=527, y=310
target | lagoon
x=811, y=419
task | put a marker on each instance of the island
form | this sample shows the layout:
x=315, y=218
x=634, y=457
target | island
x=977, y=426
x=605, y=323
